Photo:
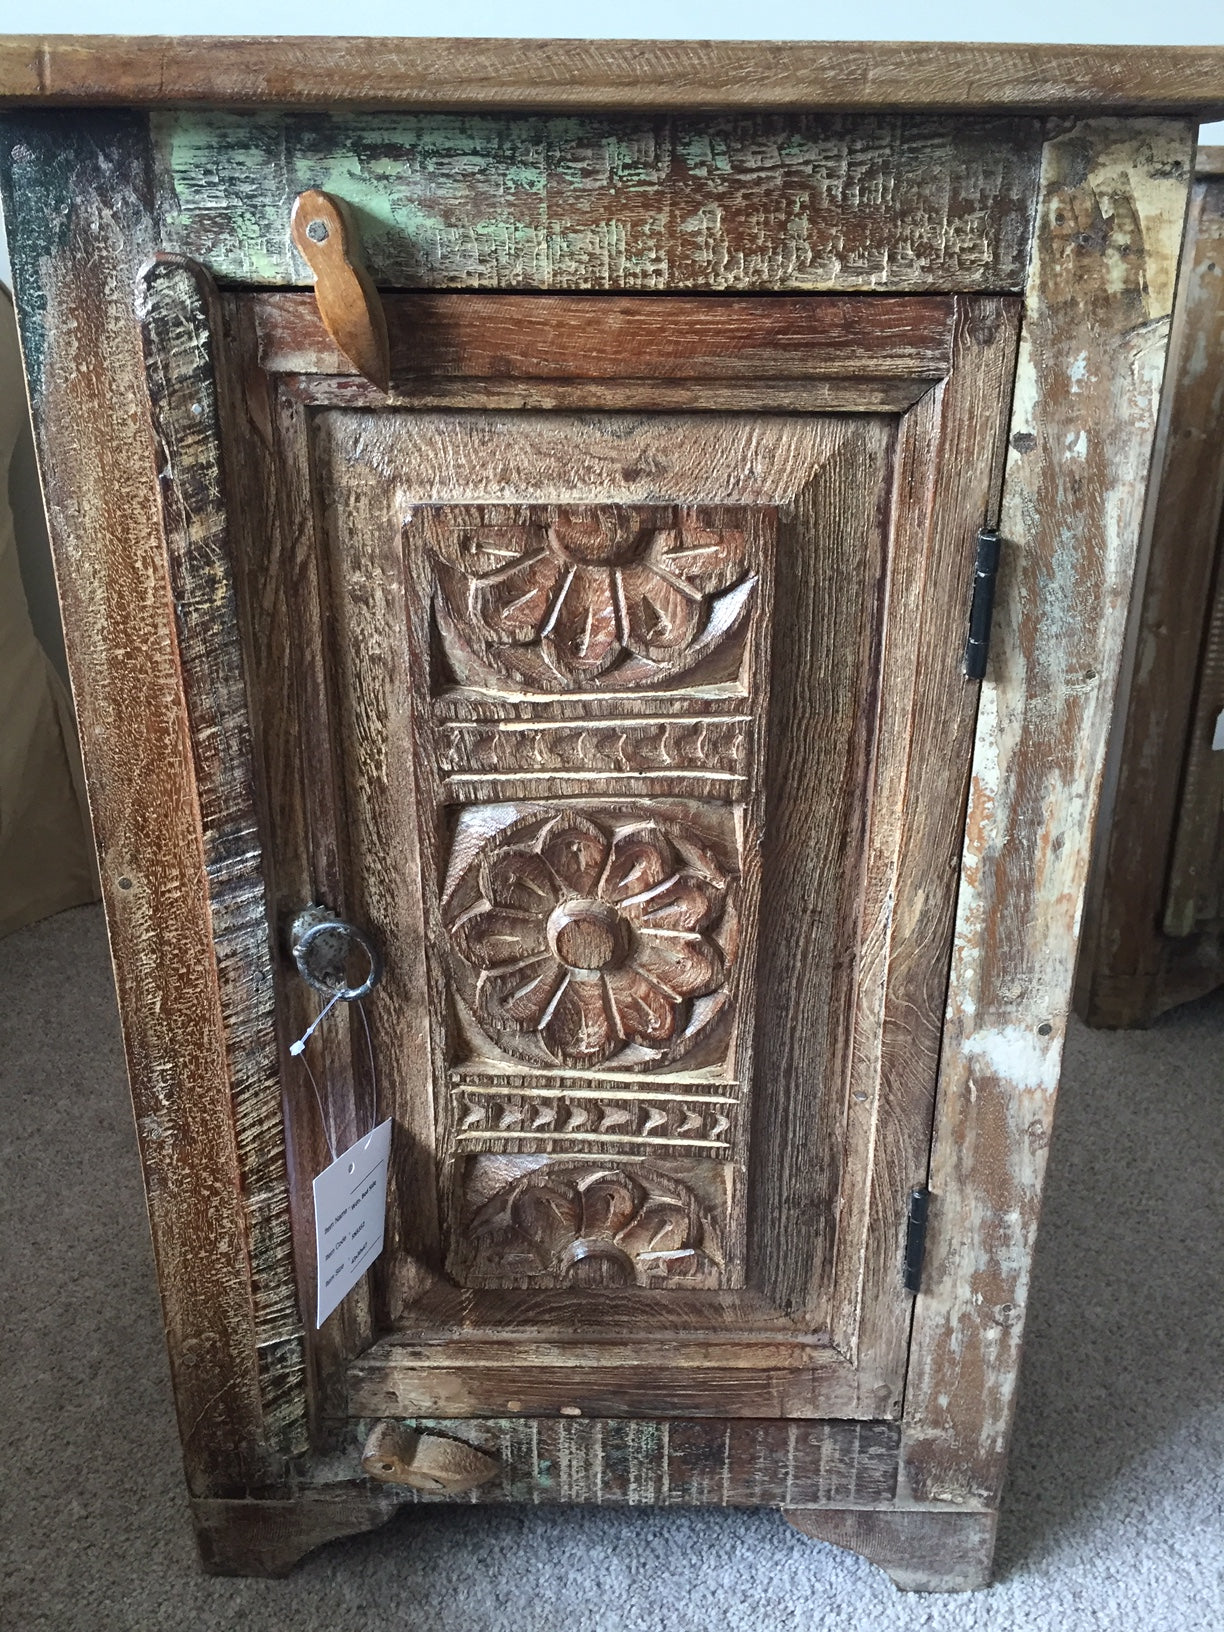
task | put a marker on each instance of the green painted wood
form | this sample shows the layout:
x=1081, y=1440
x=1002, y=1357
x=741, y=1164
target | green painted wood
x=40, y=160
x=726, y=202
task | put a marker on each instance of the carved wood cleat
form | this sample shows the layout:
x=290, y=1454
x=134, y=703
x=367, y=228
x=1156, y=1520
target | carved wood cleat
x=348, y=302
x=398, y=1455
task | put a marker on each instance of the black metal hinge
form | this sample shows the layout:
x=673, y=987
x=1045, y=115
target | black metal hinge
x=915, y=1237
x=981, y=609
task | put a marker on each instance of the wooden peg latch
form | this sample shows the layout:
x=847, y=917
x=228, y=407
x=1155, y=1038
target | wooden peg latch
x=397, y=1455
x=348, y=302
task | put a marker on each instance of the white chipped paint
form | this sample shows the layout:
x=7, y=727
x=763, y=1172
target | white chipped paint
x=1016, y=1054
x=1036, y=766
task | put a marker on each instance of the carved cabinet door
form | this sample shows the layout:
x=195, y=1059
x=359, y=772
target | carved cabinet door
x=610, y=677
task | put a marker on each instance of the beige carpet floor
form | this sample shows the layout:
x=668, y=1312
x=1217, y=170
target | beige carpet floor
x=1114, y=1517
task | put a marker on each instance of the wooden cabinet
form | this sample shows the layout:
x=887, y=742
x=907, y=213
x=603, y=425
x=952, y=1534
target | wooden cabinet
x=602, y=662
x=1154, y=925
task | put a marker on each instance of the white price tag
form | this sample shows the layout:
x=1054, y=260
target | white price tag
x=1217, y=741
x=350, y=1202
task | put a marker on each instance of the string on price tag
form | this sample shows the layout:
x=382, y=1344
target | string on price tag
x=350, y=1195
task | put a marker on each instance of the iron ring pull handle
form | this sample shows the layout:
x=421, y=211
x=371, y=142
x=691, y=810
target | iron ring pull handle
x=321, y=945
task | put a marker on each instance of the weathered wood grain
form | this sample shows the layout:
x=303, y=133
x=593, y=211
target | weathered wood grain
x=922, y=1550
x=675, y=1463
x=606, y=202
x=695, y=338
x=824, y=687
x=283, y=617
x=1091, y=360
x=552, y=463
x=844, y=395
x=695, y=1386
x=153, y=70
x=669, y=454
x=1152, y=932
x=374, y=683
x=180, y=328
x=78, y=215
x=408, y=462
x=698, y=1462
x=946, y=483
x=561, y=1326
x=728, y=1354
x=268, y=1536
x=881, y=928
x=333, y=616
x=361, y=455
x=1194, y=903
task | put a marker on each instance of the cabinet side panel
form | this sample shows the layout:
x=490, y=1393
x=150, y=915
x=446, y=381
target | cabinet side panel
x=79, y=215
x=1091, y=361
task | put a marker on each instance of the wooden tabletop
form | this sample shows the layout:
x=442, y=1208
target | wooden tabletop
x=233, y=71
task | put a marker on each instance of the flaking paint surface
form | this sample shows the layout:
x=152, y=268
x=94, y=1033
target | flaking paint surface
x=610, y=201
x=1090, y=366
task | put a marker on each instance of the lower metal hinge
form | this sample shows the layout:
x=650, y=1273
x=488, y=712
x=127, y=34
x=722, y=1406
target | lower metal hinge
x=981, y=609
x=915, y=1237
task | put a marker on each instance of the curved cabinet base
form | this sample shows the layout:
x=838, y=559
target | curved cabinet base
x=922, y=1551
x=270, y=1537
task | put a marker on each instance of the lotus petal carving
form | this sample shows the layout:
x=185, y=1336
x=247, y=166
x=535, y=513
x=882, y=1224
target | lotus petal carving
x=591, y=940
x=577, y=595
x=583, y=1224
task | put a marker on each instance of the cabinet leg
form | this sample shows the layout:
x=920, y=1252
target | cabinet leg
x=922, y=1551
x=269, y=1537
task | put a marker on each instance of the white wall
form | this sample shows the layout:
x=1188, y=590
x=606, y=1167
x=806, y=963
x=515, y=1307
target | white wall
x=1098, y=22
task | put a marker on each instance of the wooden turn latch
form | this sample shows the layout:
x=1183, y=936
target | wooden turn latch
x=398, y=1455
x=348, y=302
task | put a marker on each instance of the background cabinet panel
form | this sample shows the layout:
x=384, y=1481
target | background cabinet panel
x=1154, y=926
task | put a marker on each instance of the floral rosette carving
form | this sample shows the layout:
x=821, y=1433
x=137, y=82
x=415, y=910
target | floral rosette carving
x=592, y=942
x=587, y=596
x=571, y=1224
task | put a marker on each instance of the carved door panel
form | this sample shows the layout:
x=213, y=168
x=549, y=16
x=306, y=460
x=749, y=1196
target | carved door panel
x=624, y=640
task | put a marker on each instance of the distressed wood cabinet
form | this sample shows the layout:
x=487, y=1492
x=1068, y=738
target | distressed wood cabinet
x=603, y=662
x=1154, y=924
